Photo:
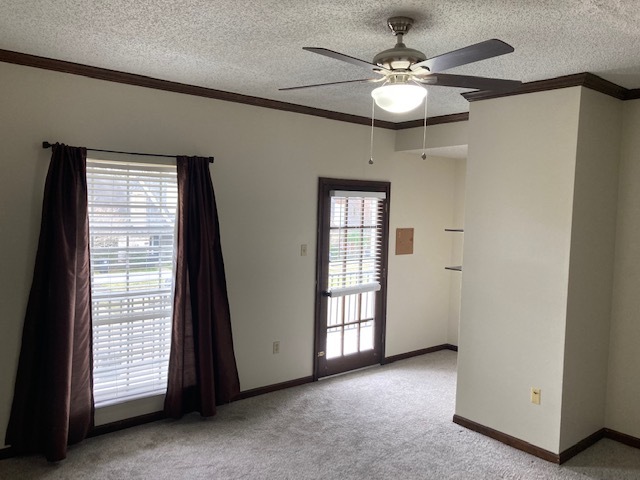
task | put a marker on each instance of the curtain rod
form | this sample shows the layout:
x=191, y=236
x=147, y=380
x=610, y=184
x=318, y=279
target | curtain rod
x=46, y=144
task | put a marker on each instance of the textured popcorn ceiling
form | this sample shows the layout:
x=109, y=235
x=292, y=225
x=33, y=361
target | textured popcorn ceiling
x=255, y=47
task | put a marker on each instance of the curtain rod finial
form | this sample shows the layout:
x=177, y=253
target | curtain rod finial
x=46, y=144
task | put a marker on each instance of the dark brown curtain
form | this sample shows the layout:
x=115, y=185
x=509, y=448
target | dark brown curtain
x=53, y=399
x=202, y=365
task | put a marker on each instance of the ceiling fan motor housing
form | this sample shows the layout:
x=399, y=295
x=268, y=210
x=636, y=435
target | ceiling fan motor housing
x=399, y=57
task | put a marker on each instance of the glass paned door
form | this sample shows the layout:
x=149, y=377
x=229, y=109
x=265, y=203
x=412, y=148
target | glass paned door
x=352, y=257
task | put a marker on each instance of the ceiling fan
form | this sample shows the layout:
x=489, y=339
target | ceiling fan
x=404, y=69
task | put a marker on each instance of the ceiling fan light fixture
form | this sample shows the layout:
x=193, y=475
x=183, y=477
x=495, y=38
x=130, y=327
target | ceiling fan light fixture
x=399, y=97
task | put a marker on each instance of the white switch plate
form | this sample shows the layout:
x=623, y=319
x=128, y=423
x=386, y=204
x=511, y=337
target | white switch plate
x=303, y=250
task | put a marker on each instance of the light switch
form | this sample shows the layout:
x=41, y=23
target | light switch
x=535, y=396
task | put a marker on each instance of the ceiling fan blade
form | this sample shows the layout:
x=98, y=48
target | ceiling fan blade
x=465, y=81
x=463, y=56
x=332, y=83
x=345, y=58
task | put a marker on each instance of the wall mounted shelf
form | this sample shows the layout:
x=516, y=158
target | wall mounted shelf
x=455, y=268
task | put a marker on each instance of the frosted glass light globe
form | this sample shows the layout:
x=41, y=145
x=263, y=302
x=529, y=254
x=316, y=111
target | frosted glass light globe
x=399, y=97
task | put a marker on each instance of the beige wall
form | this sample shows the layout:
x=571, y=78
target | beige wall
x=524, y=318
x=591, y=267
x=623, y=391
x=442, y=135
x=265, y=174
x=519, y=195
x=550, y=237
x=425, y=316
x=457, y=242
x=440, y=138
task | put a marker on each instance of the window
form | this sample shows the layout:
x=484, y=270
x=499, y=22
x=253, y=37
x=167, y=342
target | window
x=354, y=266
x=132, y=214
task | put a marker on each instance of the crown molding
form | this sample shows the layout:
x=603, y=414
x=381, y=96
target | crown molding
x=633, y=94
x=454, y=117
x=586, y=79
x=601, y=85
x=149, y=82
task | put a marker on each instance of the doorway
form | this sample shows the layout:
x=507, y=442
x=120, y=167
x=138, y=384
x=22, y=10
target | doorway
x=351, y=268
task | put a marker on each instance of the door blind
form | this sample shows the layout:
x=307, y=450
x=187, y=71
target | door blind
x=355, y=242
x=132, y=210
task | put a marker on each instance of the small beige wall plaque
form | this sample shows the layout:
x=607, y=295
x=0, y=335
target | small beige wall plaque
x=404, y=241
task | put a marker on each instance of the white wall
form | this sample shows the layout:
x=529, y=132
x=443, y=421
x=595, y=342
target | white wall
x=623, y=391
x=265, y=174
x=591, y=267
x=519, y=196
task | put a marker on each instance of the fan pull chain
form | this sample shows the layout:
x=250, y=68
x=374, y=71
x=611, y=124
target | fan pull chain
x=373, y=111
x=424, y=133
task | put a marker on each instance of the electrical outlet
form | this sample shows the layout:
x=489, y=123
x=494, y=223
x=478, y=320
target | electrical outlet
x=535, y=396
x=276, y=347
x=303, y=250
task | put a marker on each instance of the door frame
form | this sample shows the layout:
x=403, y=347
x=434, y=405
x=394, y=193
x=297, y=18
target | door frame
x=325, y=185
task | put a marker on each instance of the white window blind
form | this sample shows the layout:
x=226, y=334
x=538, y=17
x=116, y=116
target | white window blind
x=355, y=242
x=132, y=210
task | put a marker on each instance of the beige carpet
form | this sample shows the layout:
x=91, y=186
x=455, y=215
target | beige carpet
x=391, y=422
